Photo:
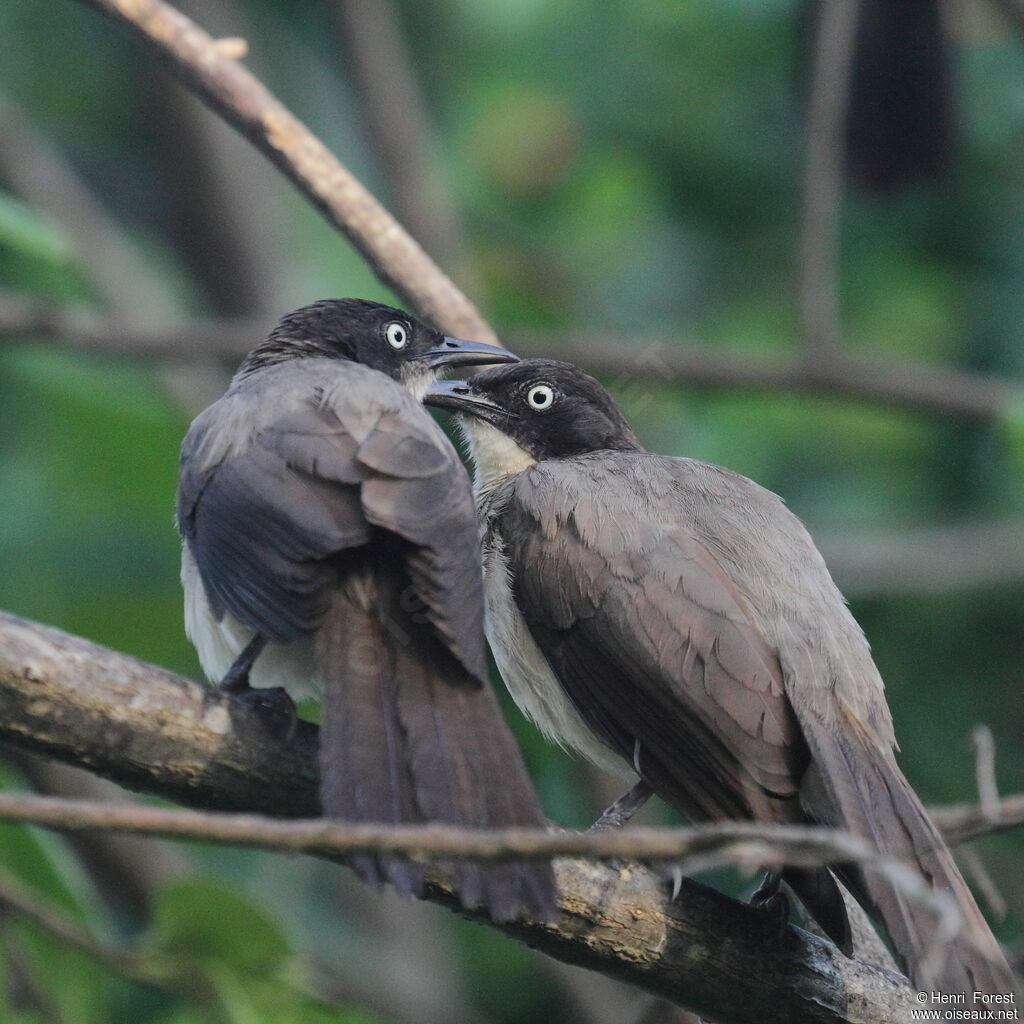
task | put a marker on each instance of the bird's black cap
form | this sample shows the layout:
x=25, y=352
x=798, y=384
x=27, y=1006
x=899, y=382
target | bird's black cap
x=372, y=334
x=549, y=408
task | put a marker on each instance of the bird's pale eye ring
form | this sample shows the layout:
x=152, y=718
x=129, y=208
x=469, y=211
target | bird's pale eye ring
x=540, y=397
x=397, y=335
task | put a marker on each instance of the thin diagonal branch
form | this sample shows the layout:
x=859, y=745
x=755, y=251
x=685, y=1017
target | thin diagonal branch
x=16, y=898
x=224, y=84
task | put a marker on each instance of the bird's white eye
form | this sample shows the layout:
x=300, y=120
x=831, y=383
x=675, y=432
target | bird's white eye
x=540, y=397
x=397, y=335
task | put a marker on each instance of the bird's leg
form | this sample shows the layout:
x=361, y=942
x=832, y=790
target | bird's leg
x=271, y=701
x=616, y=815
x=236, y=679
x=769, y=897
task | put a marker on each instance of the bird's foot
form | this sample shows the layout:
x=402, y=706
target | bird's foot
x=273, y=705
x=616, y=815
x=769, y=897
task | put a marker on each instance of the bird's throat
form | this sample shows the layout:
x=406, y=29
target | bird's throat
x=495, y=455
x=417, y=378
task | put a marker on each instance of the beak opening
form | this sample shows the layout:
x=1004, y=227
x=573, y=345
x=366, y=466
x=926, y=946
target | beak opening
x=459, y=396
x=456, y=352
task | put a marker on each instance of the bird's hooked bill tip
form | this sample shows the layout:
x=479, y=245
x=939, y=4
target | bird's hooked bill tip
x=458, y=352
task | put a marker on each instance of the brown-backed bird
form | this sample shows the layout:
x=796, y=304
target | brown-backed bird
x=330, y=538
x=674, y=617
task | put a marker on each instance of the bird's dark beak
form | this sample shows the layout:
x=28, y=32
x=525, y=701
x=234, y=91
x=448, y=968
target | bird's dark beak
x=456, y=352
x=459, y=396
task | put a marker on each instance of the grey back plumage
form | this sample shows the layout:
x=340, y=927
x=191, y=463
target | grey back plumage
x=305, y=460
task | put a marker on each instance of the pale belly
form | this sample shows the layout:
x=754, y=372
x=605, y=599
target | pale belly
x=218, y=644
x=528, y=676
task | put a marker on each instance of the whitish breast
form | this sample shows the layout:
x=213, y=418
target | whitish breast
x=527, y=674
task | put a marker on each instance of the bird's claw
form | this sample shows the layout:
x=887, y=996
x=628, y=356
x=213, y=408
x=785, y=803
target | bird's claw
x=273, y=705
x=623, y=809
x=677, y=883
x=769, y=898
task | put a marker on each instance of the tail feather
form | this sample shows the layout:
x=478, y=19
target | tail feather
x=364, y=774
x=468, y=771
x=820, y=894
x=409, y=736
x=868, y=794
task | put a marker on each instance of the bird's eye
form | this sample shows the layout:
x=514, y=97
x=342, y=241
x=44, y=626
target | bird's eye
x=540, y=397
x=397, y=335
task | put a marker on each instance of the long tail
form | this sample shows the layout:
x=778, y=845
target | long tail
x=869, y=795
x=408, y=736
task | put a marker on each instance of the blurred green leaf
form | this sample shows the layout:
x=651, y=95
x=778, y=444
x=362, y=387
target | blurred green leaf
x=1013, y=427
x=29, y=234
x=209, y=921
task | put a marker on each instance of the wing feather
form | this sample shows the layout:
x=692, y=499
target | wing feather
x=654, y=646
x=303, y=463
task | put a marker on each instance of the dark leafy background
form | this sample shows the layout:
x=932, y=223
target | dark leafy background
x=627, y=168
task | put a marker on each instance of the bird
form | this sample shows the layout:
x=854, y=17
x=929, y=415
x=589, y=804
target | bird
x=672, y=618
x=329, y=537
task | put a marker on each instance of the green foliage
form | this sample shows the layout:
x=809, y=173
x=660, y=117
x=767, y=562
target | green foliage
x=28, y=236
x=206, y=921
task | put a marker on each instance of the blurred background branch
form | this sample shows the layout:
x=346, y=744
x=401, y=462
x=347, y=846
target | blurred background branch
x=831, y=72
x=918, y=388
x=383, y=72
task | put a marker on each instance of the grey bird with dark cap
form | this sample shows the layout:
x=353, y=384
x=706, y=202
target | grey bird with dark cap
x=673, y=619
x=330, y=538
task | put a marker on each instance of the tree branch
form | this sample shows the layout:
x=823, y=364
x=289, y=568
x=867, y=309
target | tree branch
x=224, y=84
x=40, y=173
x=823, y=175
x=381, y=68
x=14, y=897
x=960, y=823
x=126, y=872
x=903, y=386
x=233, y=92
x=737, y=844
x=167, y=735
x=635, y=361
